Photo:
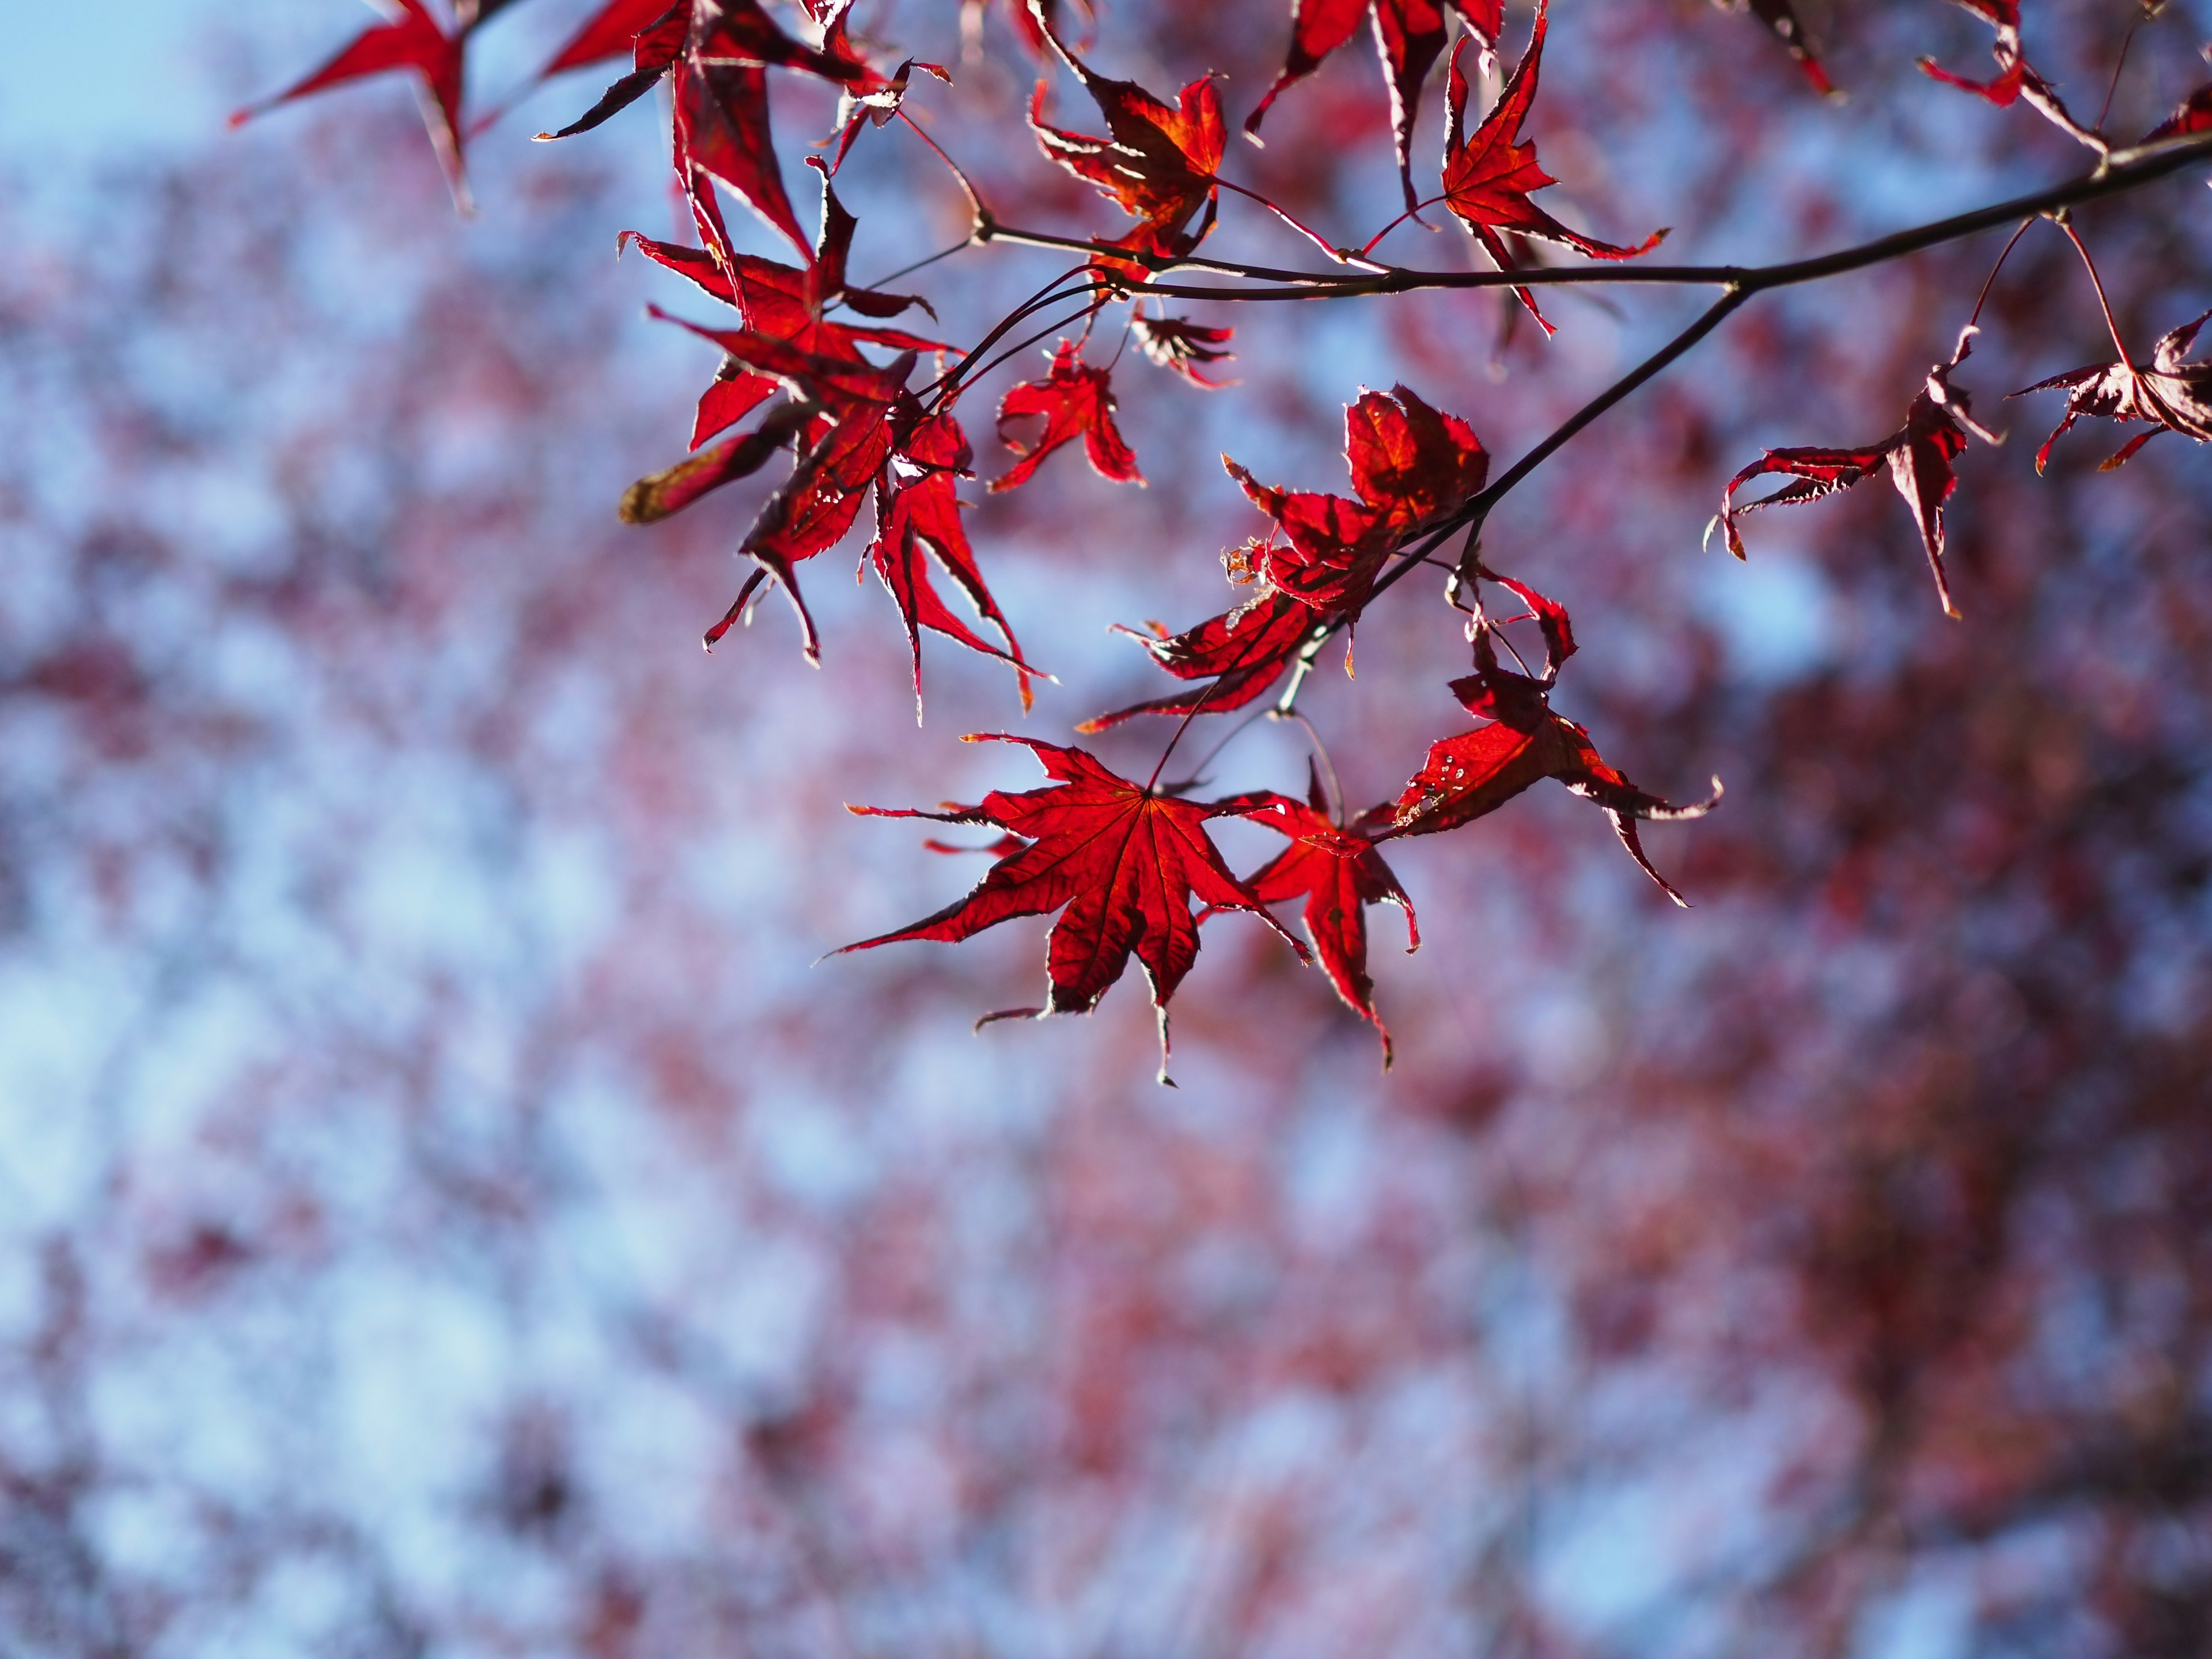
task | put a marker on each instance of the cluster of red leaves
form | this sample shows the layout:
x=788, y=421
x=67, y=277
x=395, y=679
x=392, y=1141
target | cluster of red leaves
x=1126, y=864
x=1318, y=563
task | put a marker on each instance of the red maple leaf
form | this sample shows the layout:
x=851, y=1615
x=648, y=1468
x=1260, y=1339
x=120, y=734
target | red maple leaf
x=1411, y=462
x=1919, y=458
x=1076, y=400
x=1488, y=177
x=776, y=302
x=1472, y=774
x=411, y=41
x=1120, y=861
x=1157, y=161
x=1241, y=653
x=653, y=51
x=918, y=518
x=1409, y=34
x=720, y=52
x=2172, y=393
x=1338, y=872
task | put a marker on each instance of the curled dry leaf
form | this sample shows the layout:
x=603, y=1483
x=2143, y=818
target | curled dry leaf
x=1178, y=343
x=1918, y=457
x=1121, y=862
x=2173, y=394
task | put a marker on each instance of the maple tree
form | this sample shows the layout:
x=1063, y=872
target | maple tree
x=859, y=429
x=1808, y=1273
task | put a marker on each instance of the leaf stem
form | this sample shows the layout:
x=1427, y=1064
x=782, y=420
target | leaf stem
x=2095, y=281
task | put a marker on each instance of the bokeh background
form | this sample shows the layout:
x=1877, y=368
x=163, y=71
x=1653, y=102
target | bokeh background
x=446, y=1209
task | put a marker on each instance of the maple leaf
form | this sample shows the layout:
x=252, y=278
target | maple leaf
x=1919, y=458
x=1177, y=342
x=1076, y=400
x=1781, y=18
x=1489, y=175
x=411, y=41
x=1121, y=862
x=1159, y=161
x=1338, y=872
x=1242, y=652
x=1472, y=774
x=2172, y=393
x=1409, y=35
x=918, y=518
x=719, y=52
x=780, y=303
x=1410, y=463
x=654, y=50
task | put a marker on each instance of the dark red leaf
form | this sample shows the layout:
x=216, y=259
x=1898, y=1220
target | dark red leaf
x=1243, y=653
x=1122, y=863
x=1918, y=457
x=1472, y=774
x=1076, y=400
x=1334, y=546
x=2173, y=394
x=1409, y=34
x=1177, y=343
x=612, y=31
x=734, y=394
x=653, y=48
x=722, y=130
x=671, y=491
